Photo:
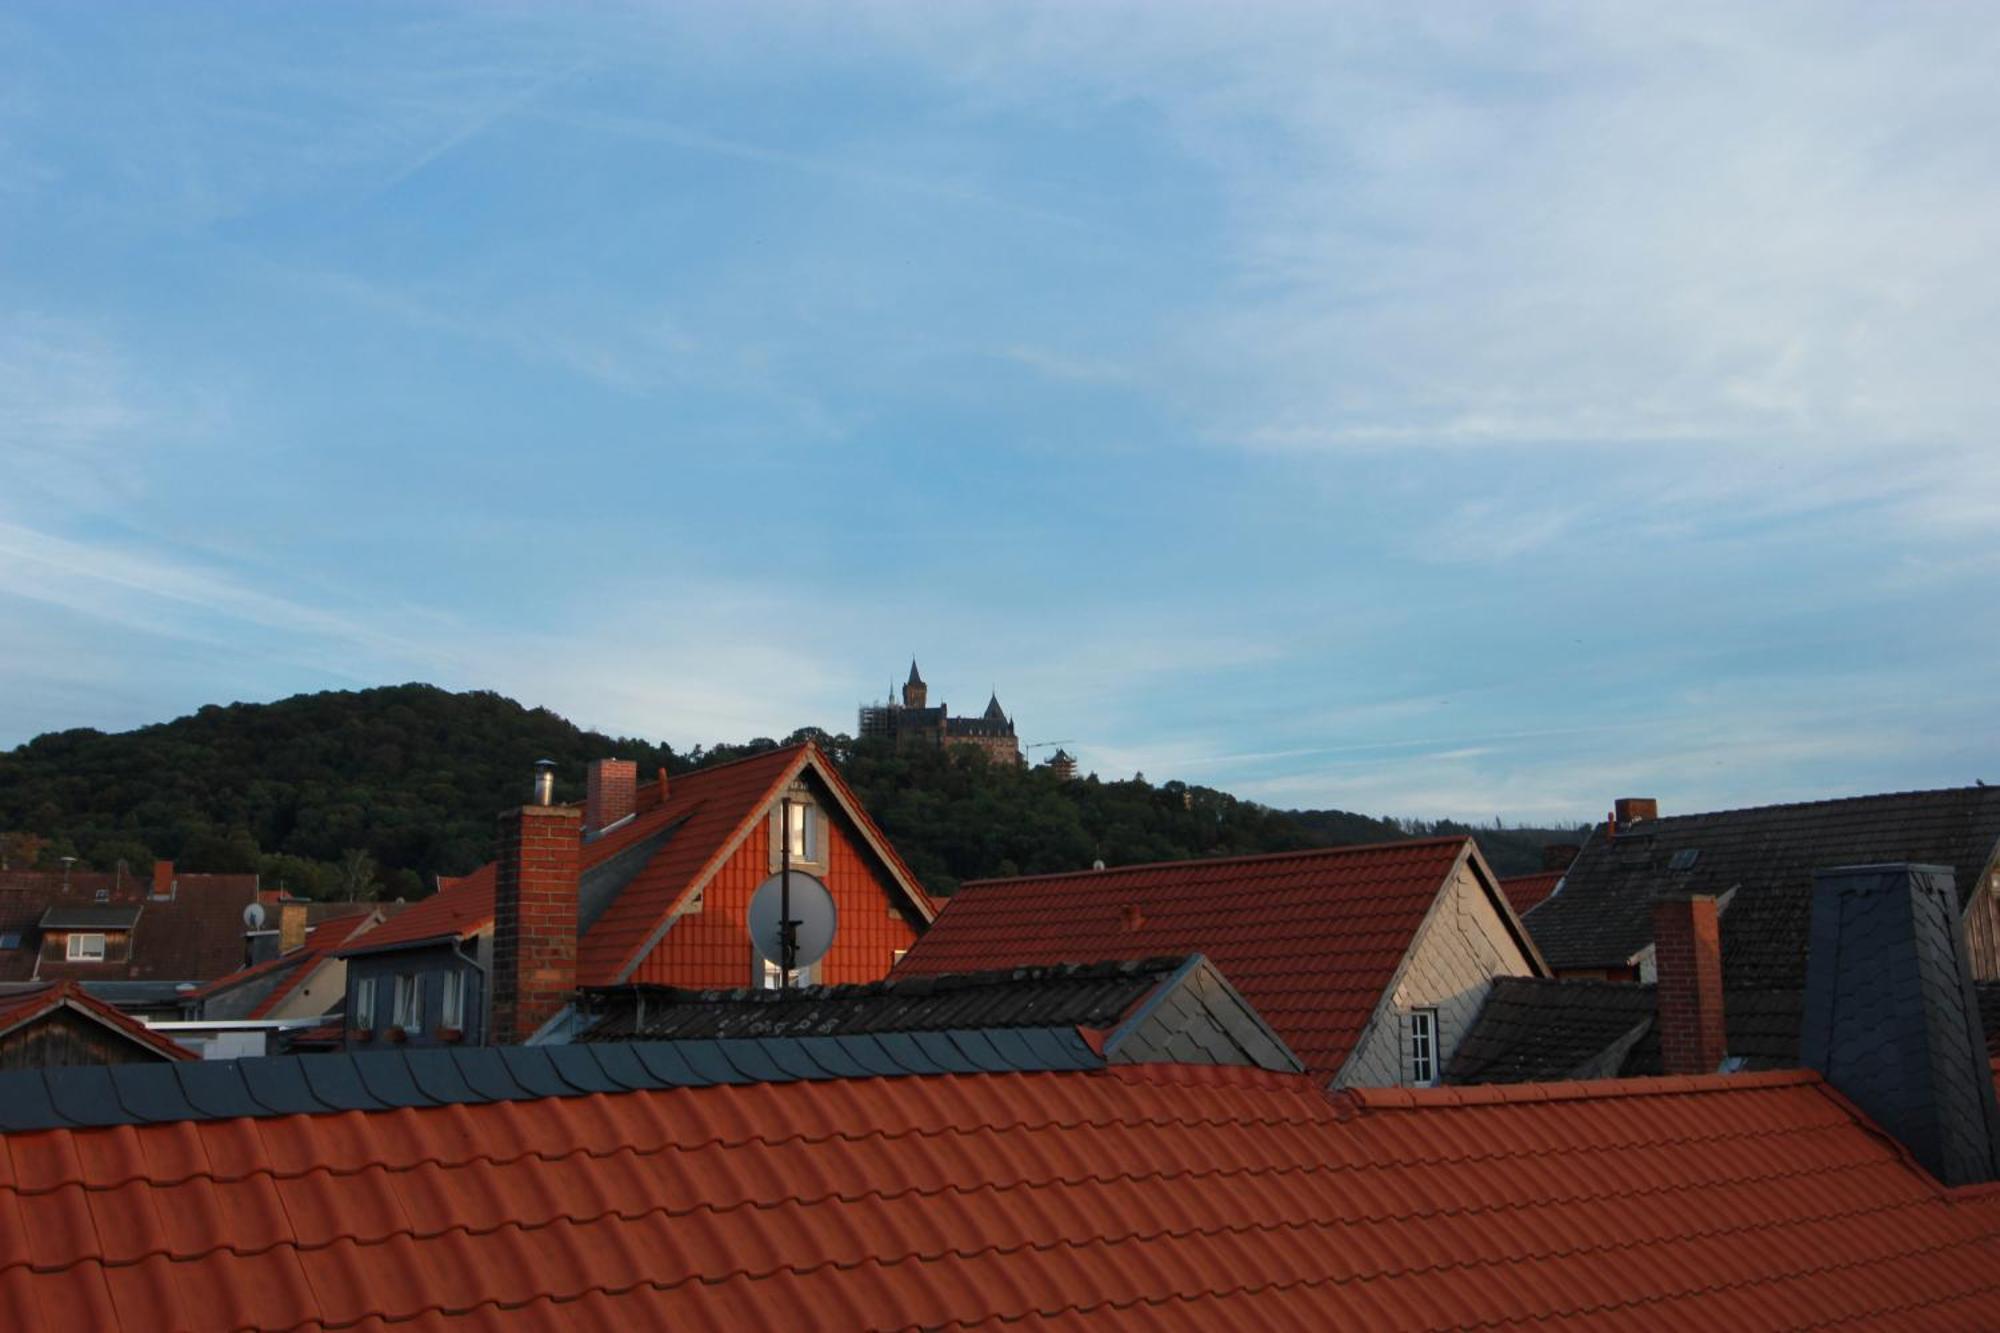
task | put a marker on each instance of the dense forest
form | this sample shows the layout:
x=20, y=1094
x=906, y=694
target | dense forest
x=379, y=791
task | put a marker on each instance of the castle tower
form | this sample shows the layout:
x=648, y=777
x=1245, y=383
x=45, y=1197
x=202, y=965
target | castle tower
x=915, y=692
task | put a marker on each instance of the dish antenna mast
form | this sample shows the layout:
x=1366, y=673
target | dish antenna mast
x=792, y=917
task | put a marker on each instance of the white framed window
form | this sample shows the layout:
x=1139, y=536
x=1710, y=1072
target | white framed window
x=410, y=1001
x=85, y=948
x=364, y=1004
x=802, y=831
x=452, y=1000
x=1423, y=1046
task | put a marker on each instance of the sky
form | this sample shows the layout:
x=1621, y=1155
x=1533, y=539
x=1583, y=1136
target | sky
x=1481, y=411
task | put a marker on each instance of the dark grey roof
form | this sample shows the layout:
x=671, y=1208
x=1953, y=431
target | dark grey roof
x=85, y=1096
x=994, y=713
x=1094, y=995
x=111, y=916
x=1762, y=1031
x=1988, y=993
x=1532, y=1029
x=914, y=679
x=1603, y=914
x=979, y=726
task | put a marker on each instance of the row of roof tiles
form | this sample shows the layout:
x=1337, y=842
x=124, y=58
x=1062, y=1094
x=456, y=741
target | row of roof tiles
x=1183, y=1197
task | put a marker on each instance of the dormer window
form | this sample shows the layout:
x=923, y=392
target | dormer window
x=85, y=948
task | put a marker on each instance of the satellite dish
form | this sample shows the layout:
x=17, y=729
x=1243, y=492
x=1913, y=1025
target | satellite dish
x=812, y=912
x=253, y=916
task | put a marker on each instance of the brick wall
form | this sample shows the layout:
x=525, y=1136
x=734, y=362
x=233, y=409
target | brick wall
x=534, y=918
x=610, y=792
x=1687, y=958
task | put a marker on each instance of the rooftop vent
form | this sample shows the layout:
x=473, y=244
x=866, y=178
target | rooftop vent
x=545, y=782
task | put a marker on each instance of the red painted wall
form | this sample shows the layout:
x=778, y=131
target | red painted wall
x=711, y=948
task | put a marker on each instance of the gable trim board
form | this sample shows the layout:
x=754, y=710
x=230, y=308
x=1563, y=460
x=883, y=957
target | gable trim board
x=1390, y=1015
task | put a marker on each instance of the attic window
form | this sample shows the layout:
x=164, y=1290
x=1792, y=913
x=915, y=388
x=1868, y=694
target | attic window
x=85, y=948
x=1685, y=858
x=10, y=939
x=1423, y=1047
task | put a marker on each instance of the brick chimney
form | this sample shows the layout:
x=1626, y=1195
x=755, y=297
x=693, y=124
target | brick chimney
x=1558, y=856
x=1630, y=810
x=291, y=924
x=163, y=879
x=1687, y=952
x=610, y=792
x=1891, y=1018
x=534, y=918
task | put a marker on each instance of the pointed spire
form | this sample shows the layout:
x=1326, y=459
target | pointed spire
x=915, y=679
x=993, y=711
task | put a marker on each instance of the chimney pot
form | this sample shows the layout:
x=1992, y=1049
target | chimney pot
x=545, y=782
x=1687, y=954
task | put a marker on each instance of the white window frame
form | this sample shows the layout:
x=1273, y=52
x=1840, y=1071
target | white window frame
x=1423, y=1047
x=802, y=833
x=364, y=1004
x=410, y=1001
x=74, y=949
x=452, y=1000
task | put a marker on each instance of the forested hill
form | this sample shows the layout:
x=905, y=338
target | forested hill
x=381, y=790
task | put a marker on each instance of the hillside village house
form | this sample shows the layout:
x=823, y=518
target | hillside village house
x=57, y=1024
x=646, y=882
x=984, y=1179
x=1370, y=962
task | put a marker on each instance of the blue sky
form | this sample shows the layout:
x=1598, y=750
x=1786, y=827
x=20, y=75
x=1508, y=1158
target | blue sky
x=1487, y=414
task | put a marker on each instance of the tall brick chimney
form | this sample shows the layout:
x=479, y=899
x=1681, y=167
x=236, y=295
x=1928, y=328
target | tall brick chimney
x=1891, y=1018
x=534, y=918
x=610, y=792
x=1687, y=952
x=291, y=924
x=163, y=879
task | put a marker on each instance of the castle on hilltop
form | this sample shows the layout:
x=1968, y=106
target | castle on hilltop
x=914, y=722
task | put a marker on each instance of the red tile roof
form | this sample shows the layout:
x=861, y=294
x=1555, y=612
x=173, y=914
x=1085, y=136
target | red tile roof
x=709, y=810
x=1175, y=1197
x=25, y=1007
x=297, y=965
x=1524, y=891
x=1311, y=939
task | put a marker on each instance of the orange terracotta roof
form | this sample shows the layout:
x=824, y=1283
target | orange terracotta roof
x=1171, y=1196
x=1311, y=939
x=26, y=1006
x=708, y=810
x=1524, y=891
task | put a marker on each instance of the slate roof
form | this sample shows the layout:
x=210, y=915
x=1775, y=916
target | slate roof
x=195, y=935
x=1526, y=891
x=677, y=843
x=1536, y=1029
x=1312, y=939
x=1094, y=995
x=1172, y=1197
x=1603, y=916
x=91, y=916
x=21, y=1008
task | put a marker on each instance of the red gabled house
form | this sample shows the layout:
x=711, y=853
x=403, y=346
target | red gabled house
x=644, y=882
x=1371, y=962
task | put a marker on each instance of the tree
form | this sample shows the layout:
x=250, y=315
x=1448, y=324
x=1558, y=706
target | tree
x=20, y=851
x=354, y=878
